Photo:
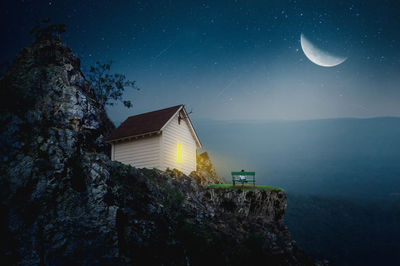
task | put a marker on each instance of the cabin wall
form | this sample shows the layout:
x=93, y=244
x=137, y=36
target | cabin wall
x=172, y=135
x=142, y=152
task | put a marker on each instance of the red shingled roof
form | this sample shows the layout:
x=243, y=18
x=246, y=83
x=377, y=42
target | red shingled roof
x=143, y=123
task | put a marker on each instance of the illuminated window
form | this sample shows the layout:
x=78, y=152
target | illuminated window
x=179, y=153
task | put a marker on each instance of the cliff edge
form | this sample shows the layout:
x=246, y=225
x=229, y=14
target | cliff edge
x=64, y=202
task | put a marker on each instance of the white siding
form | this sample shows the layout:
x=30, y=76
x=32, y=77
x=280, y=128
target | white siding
x=173, y=134
x=142, y=152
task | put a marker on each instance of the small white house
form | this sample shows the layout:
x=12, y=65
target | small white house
x=160, y=139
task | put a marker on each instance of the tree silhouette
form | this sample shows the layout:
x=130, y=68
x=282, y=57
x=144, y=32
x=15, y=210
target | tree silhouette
x=44, y=30
x=109, y=87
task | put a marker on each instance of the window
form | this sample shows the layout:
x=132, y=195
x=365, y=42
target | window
x=179, y=153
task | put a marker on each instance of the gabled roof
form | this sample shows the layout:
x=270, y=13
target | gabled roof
x=148, y=123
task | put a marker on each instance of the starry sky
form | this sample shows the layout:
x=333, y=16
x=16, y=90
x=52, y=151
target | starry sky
x=231, y=59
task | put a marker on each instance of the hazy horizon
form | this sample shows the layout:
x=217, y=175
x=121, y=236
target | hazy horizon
x=310, y=156
x=196, y=120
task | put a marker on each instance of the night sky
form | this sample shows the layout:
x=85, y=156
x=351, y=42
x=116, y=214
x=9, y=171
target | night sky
x=231, y=60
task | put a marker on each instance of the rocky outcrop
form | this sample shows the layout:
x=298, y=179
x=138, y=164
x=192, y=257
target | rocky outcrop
x=205, y=173
x=51, y=142
x=64, y=202
x=266, y=205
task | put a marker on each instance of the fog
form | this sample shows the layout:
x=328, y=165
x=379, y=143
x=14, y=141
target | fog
x=337, y=157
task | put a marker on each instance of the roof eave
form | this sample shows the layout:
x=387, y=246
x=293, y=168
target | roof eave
x=198, y=143
x=190, y=125
x=172, y=117
x=147, y=134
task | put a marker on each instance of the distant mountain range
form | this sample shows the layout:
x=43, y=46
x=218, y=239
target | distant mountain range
x=346, y=157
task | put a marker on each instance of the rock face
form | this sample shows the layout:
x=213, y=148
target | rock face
x=64, y=202
x=205, y=173
x=52, y=171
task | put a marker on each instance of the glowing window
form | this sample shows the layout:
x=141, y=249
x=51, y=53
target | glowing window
x=179, y=153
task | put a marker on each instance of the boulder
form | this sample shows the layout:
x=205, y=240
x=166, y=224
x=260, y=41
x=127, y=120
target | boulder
x=205, y=173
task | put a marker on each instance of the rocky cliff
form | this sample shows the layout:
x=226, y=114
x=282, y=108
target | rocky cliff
x=64, y=202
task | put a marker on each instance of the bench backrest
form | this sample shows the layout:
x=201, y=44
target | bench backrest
x=250, y=177
x=243, y=173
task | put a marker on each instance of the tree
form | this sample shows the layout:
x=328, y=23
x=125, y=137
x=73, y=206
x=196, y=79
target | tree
x=108, y=87
x=44, y=30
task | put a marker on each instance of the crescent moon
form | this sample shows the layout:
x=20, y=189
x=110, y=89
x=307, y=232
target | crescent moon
x=317, y=56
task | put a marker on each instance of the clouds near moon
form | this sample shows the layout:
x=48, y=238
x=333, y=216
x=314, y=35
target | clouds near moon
x=318, y=56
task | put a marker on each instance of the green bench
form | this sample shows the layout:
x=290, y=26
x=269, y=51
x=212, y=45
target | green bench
x=250, y=177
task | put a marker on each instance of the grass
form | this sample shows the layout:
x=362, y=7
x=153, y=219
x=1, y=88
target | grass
x=245, y=187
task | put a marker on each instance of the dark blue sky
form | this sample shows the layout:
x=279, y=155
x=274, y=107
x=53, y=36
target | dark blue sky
x=231, y=59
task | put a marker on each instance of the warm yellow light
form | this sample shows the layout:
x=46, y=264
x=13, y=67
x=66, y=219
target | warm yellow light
x=179, y=153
